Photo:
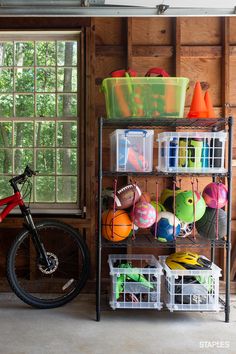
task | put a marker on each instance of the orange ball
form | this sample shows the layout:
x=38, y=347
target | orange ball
x=145, y=197
x=122, y=225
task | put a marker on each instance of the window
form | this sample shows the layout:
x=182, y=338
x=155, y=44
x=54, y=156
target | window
x=39, y=110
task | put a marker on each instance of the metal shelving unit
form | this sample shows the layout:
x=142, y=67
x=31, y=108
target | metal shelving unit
x=147, y=240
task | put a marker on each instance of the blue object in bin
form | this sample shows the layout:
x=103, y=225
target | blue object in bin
x=173, y=149
x=205, y=154
x=123, y=152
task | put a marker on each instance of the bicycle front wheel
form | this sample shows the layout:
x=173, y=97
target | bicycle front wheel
x=48, y=288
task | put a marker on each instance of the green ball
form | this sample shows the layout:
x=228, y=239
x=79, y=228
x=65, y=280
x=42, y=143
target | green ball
x=160, y=207
x=167, y=197
x=184, y=206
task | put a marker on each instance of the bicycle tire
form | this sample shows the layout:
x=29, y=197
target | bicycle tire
x=27, y=277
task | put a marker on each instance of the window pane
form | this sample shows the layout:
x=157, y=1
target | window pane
x=67, y=189
x=23, y=134
x=5, y=134
x=46, y=106
x=67, y=80
x=67, y=134
x=22, y=157
x=38, y=115
x=45, y=161
x=6, y=106
x=45, y=134
x=6, y=53
x=67, y=105
x=45, y=189
x=67, y=161
x=24, y=105
x=6, y=80
x=5, y=161
x=66, y=53
x=5, y=188
x=24, y=80
x=24, y=54
x=46, y=80
x=46, y=53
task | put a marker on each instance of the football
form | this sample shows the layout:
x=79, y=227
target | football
x=126, y=196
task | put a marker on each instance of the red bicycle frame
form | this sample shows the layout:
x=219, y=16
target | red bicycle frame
x=10, y=202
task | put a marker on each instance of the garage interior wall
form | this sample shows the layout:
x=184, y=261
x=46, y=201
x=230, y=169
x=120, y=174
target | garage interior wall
x=202, y=48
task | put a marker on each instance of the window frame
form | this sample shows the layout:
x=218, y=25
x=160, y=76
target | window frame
x=60, y=35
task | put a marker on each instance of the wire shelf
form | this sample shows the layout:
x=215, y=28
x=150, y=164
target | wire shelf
x=215, y=124
x=150, y=241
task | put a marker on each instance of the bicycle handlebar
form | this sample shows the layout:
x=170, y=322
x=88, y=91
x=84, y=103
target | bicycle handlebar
x=28, y=172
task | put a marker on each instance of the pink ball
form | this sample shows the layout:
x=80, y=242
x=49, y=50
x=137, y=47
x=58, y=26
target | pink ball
x=144, y=215
x=215, y=195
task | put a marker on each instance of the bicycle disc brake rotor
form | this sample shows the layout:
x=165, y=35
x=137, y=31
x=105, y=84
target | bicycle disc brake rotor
x=53, y=260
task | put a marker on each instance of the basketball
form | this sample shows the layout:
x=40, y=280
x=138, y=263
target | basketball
x=206, y=226
x=144, y=215
x=215, y=195
x=121, y=225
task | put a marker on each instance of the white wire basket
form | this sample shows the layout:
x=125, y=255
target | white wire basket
x=135, y=281
x=192, y=152
x=191, y=290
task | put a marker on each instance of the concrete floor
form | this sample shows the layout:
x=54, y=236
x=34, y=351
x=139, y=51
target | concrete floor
x=72, y=329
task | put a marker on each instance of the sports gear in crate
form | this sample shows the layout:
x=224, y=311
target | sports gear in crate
x=187, y=260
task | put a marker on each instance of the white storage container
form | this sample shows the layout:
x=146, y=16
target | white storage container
x=191, y=290
x=131, y=150
x=199, y=152
x=135, y=281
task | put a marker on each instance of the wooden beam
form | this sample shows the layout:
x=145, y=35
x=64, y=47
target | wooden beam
x=165, y=51
x=152, y=51
x=109, y=50
x=41, y=23
x=201, y=51
x=130, y=53
x=225, y=67
x=178, y=46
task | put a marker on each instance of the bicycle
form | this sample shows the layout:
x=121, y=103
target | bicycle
x=48, y=262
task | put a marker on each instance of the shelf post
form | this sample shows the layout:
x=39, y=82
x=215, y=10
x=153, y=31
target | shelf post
x=229, y=211
x=99, y=223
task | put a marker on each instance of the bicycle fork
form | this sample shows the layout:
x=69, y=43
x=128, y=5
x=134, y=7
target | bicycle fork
x=39, y=247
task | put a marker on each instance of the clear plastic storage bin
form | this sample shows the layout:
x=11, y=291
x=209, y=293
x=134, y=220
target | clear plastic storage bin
x=131, y=150
x=150, y=97
x=191, y=290
x=192, y=152
x=135, y=281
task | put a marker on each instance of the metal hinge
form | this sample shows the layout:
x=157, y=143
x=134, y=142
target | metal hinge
x=161, y=9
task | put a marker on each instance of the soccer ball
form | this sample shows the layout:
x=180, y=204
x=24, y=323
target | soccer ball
x=168, y=226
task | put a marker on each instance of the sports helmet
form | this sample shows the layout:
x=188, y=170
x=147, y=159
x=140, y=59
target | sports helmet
x=187, y=260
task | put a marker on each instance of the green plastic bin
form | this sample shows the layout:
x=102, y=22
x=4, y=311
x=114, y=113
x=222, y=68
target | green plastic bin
x=149, y=97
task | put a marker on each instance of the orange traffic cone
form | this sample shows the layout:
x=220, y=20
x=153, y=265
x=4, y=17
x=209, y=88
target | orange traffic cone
x=198, y=107
x=209, y=106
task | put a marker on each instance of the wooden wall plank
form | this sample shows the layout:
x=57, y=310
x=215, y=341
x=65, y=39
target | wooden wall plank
x=109, y=31
x=204, y=70
x=201, y=30
x=142, y=64
x=232, y=81
x=232, y=30
x=149, y=31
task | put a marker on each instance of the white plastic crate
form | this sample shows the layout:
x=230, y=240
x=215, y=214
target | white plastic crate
x=200, y=152
x=191, y=290
x=131, y=150
x=135, y=281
